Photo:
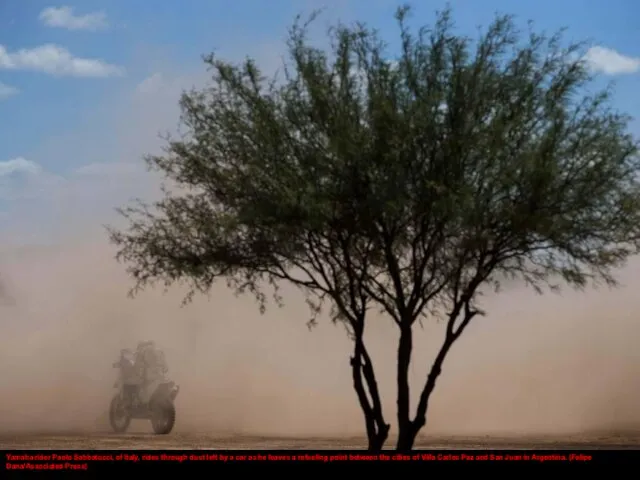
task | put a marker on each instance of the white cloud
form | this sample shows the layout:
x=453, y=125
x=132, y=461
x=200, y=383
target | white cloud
x=56, y=60
x=102, y=159
x=113, y=169
x=64, y=17
x=24, y=180
x=151, y=84
x=610, y=62
x=7, y=91
x=19, y=165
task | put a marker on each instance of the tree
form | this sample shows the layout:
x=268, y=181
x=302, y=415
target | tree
x=406, y=184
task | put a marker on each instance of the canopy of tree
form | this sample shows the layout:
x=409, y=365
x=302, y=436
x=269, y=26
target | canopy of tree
x=403, y=183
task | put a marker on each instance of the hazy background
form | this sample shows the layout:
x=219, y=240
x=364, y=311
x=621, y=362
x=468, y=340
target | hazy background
x=534, y=365
x=547, y=364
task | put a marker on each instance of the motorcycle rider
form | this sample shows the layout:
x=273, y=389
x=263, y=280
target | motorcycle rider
x=150, y=363
x=128, y=376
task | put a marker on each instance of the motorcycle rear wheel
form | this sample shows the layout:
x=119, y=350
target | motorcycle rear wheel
x=163, y=418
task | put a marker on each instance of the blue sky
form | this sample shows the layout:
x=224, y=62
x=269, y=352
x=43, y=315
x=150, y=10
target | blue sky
x=85, y=87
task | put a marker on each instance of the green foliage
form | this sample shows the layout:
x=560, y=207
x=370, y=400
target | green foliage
x=450, y=163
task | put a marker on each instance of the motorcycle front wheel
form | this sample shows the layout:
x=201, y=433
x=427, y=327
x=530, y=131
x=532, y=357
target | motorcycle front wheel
x=119, y=416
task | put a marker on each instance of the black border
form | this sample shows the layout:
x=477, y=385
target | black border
x=112, y=461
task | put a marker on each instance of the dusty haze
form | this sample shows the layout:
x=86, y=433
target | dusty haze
x=535, y=364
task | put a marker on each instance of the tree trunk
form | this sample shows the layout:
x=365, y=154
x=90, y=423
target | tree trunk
x=405, y=429
x=361, y=367
x=407, y=437
x=377, y=439
x=408, y=429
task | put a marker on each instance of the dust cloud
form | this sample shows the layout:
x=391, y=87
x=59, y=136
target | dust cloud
x=534, y=364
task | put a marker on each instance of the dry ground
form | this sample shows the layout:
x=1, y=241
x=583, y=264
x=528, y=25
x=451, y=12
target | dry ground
x=209, y=441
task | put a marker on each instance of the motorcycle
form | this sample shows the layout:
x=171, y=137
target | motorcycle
x=155, y=402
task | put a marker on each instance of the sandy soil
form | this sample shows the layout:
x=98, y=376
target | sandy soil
x=208, y=441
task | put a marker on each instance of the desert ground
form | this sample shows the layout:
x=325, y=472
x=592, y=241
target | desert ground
x=593, y=440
